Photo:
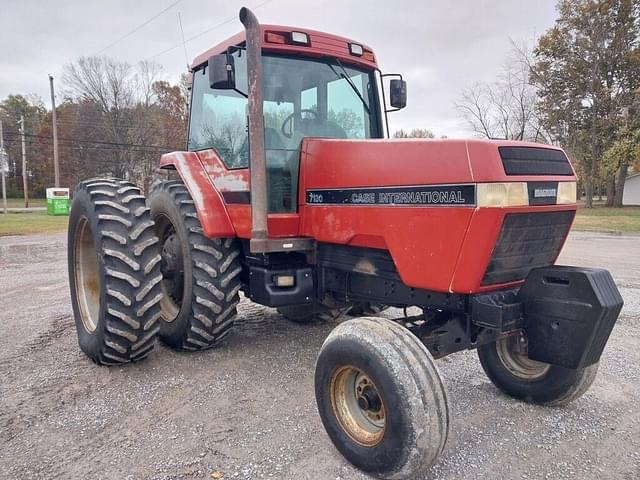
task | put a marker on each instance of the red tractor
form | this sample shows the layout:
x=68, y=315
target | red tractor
x=291, y=193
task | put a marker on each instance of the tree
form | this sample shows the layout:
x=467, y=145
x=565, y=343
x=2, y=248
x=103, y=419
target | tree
x=415, y=133
x=11, y=109
x=136, y=114
x=617, y=160
x=505, y=108
x=587, y=68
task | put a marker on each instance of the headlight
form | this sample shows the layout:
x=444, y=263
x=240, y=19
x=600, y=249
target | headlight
x=567, y=193
x=512, y=194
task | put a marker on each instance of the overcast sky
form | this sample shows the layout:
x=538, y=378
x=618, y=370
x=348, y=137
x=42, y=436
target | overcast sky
x=440, y=46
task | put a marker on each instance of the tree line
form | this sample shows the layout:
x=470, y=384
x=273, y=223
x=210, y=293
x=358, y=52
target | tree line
x=115, y=119
x=578, y=87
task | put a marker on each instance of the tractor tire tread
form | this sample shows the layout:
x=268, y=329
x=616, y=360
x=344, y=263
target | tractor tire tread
x=215, y=264
x=126, y=287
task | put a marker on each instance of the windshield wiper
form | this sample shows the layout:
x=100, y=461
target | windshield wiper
x=346, y=77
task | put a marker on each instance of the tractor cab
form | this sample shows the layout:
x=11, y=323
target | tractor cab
x=313, y=85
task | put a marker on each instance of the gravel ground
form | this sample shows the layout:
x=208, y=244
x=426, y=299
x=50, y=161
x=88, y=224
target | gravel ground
x=247, y=409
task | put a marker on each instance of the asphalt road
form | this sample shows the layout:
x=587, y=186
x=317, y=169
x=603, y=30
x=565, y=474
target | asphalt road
x=247, y=409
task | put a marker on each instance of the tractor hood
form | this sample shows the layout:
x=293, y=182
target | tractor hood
x=429, y=203
x=410, y=162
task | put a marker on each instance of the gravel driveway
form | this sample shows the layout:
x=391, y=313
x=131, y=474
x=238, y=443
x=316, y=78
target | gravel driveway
x=247, y=409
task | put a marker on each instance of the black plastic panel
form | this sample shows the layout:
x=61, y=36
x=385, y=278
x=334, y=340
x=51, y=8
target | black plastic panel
x=263, y=290
x=500, y=311
x=569, y=314
x=526, y=241
x=534, y=161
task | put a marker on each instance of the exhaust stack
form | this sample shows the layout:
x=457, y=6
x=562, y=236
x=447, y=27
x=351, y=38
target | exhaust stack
x=258, y=165
x=260, y=241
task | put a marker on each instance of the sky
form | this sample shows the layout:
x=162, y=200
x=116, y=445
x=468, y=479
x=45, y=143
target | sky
x=439, y=46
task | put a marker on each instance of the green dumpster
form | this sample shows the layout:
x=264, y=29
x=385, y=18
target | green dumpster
x=57, y=201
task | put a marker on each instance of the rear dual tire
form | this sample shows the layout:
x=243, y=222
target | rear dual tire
x=114, y=271
x=201, y=275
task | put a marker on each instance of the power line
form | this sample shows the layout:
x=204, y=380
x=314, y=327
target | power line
x=137, y=28
x=96, y=142
x=80, y=146
x=198, y=35
x=186, y=57
x=76, y=124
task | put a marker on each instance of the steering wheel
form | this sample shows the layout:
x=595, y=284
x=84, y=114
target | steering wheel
x=290, y=118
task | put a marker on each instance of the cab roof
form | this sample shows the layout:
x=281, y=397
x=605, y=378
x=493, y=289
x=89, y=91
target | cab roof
x=277, y=38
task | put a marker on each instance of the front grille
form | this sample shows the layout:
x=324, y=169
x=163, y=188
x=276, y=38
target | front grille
x=534, y=161
x=526, y=241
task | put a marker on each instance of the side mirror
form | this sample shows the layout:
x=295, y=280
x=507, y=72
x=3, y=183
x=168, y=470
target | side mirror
x=398, y=93
x=222, y=72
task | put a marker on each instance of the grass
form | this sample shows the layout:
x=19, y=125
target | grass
x=32, y=222
x=19, y=202
x=607, y=219
x=598, y=219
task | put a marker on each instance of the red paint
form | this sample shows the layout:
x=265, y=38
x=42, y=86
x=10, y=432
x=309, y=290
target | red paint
x=435, y=248
x=224, y=180
x=444, y=249
x=211, y=178
x=321, y=45
x=479, y=242
x=207, y=199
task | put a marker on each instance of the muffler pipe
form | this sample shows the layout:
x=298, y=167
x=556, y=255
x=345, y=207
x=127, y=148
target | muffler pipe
x=258, y=159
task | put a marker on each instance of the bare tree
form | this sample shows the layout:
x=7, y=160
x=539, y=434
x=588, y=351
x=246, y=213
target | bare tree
x=127, y=116
x=505, y=108
x=147, y=74
x=415, y=133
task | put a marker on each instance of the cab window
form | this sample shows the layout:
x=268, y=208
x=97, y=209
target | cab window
x=219, y=117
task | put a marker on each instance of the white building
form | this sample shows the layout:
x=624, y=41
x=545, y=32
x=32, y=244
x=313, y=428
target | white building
x=631, y=194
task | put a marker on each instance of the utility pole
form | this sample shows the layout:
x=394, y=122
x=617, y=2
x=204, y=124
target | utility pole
x=3, y=167
x=56, y=167
x=24, y=164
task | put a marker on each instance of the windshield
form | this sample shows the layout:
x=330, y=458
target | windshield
x=303, y=97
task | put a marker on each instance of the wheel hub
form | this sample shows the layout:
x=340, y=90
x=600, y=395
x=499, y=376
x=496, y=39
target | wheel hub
x=87, y=275
x=513, y=353
x=172, y=268
x=369, y=400
x=358, y=406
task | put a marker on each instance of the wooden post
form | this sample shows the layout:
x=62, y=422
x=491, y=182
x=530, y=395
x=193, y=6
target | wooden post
x=3, y=165
x=56, y=166
x=24, y=164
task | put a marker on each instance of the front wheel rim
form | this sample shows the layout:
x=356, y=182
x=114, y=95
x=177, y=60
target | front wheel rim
x=512, y=353
x=358, y=406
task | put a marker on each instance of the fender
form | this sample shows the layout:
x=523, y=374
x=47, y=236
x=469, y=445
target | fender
x=208, y=200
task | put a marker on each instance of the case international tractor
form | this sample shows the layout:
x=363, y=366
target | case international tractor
x=291, y=193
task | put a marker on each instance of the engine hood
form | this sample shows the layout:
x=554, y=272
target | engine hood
x=397, y=162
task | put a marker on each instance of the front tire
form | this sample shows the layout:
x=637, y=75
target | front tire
x=381, y=399
x=114, y=271
x=507, y=366
x=201, y=275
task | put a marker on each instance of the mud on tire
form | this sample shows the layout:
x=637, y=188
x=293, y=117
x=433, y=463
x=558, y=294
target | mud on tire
x=381, y=399
x=114, y=271
x=201, y=275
